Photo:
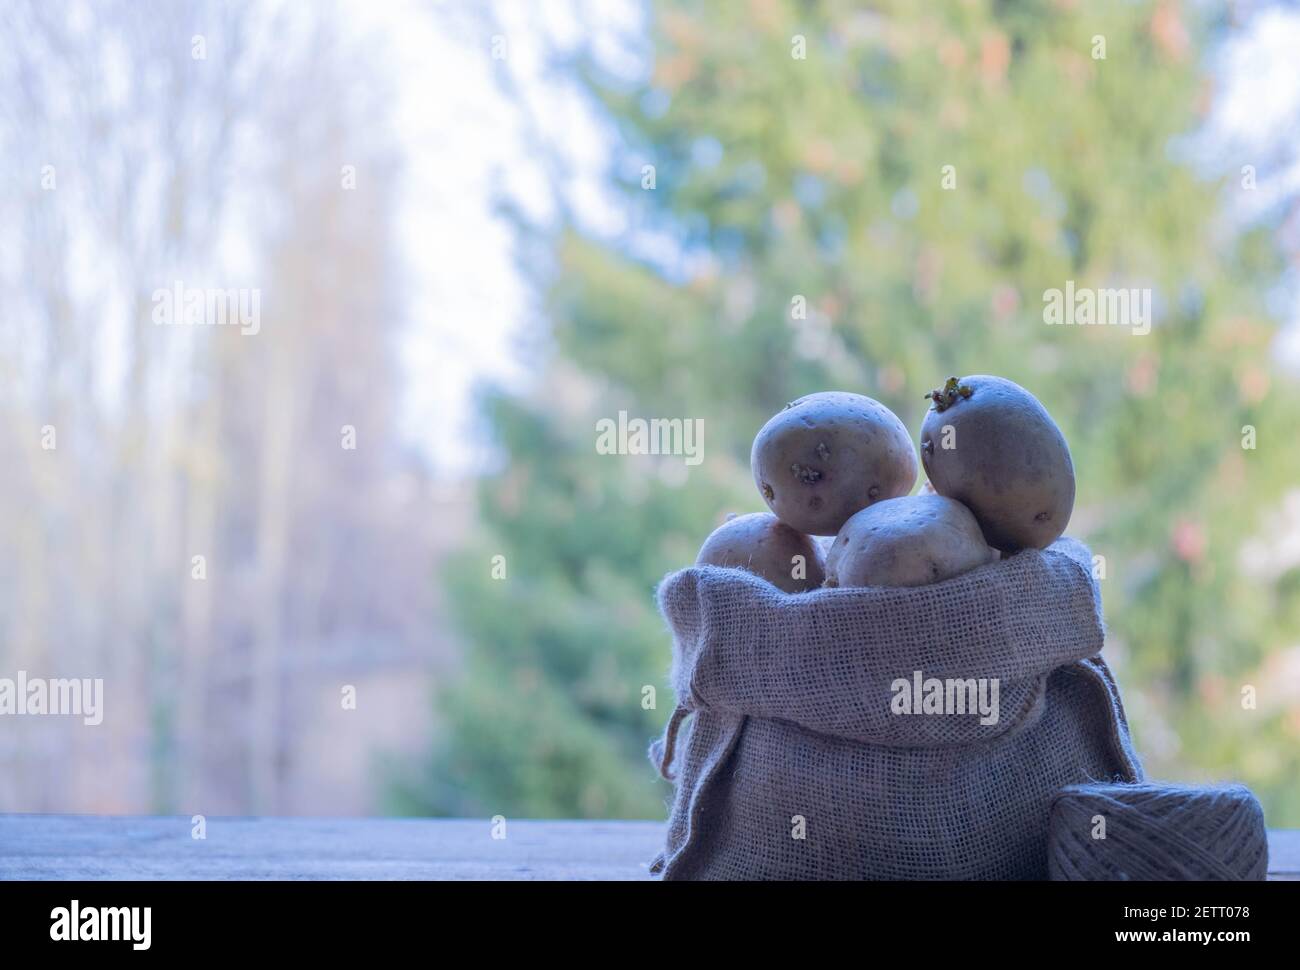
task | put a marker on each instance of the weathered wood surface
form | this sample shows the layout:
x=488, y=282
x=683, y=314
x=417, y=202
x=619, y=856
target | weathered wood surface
x=87, y=847
x=100, y=847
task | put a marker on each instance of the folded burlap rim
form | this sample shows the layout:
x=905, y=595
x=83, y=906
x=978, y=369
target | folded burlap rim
x=829, y=660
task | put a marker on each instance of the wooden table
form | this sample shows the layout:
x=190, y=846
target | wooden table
x=87, y=847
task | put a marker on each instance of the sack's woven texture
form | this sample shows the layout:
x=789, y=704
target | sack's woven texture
x=791, y=697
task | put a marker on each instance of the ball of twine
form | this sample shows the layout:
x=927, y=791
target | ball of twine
x=1156, y=832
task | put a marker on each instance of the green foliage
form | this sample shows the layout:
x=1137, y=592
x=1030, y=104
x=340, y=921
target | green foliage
x=823, y=180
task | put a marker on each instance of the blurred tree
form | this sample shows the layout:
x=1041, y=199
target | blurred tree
x=916, y=176
x=228, y=145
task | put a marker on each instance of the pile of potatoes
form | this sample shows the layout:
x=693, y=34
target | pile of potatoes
x=840, y=464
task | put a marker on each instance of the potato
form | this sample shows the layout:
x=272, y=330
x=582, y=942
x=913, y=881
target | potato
x=761, y=544
x=989, y=444
x=828, y=455
x=909, y=541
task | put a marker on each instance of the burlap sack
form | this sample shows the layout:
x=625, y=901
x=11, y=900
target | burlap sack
x=795, y=765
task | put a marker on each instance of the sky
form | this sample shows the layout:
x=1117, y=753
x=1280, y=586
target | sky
x=466, y=140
